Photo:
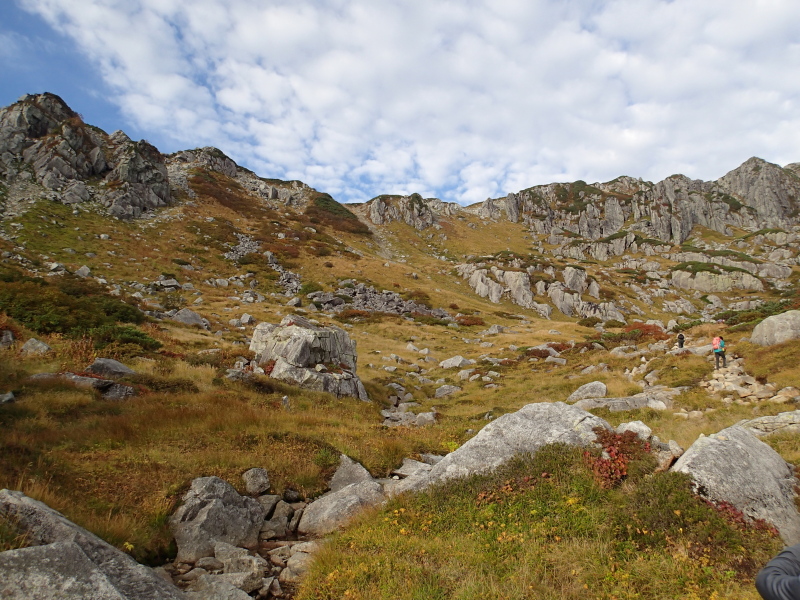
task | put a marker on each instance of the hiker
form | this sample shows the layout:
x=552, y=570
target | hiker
x=780, y=577
x=718, y=343
x=681, y=339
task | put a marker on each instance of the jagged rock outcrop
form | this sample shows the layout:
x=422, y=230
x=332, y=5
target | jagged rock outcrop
x=413, y=210
x=514, y=284
x=359, y=296
x=723, y=281
x=755, y=195
x=183, y=164
x=311, y=356
x=42, y=140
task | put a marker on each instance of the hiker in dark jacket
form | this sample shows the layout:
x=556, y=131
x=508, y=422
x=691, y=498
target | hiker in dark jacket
x=681, y=339
x=780, y=578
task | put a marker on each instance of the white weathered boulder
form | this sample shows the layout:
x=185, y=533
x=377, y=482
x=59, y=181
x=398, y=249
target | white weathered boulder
x=641, y=430
x=635, y=402
x=777, y=328
x=67, y=562
x=333, y=510
x=446, y=390
x=521, y=432
x=213, y=511
x=593, y=389
x=734, y=466
x=297, y=346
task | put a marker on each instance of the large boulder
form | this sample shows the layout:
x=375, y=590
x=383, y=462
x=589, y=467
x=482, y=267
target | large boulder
x=734, y=466
x=521, y=432
x=213, y=511
x=309, y=355
x=303, y=344
x=67, y=562
x=593, y=389
x=777, y=329
x=333, y=510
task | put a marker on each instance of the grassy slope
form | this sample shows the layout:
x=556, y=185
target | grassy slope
x=119, y=468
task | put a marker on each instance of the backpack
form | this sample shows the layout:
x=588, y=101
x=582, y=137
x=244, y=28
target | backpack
x=715, y=343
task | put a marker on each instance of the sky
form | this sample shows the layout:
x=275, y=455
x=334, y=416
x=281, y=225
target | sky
x=460, y=100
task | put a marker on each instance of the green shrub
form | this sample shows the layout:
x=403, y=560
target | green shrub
x=122, y=334
x=589, y=322
x=325, y=210
x=69, y=306
x=309, y=287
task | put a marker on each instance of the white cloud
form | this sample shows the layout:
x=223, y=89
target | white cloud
x=457, y=99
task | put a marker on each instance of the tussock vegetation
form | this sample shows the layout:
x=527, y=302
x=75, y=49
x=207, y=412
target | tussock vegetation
x=546, y=527
x=324, y=210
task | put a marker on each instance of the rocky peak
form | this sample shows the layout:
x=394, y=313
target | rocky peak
x=770, y=190
x=43, y=140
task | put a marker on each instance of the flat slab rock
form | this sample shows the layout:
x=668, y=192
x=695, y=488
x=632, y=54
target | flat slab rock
x=735, y=466
x=625, y=403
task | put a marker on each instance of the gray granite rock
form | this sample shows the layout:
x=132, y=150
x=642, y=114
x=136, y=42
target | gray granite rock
x=109, y=570
x=734, y=466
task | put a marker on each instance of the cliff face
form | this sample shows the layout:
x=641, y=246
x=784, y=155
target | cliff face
x=756, y=195
x=43, y=141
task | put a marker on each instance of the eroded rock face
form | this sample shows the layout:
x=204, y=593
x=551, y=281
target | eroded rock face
x=312, y=356
x=68, y=562
x=735, y=466
x=213, y=511
x=777, y=329
x=41, y=134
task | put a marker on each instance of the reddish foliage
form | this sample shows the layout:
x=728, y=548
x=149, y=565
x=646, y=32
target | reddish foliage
x=268, y=366
x=468, y=321
x=649, y=331
x=620, y=448
x=739, y=519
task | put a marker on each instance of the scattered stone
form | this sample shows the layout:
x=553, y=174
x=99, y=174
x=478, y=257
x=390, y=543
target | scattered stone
x=34, y=347
x=189, y=317
x=455, y=362
x=446, y=390
x=256, y=481
x=348, y=472
x=108, y=367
